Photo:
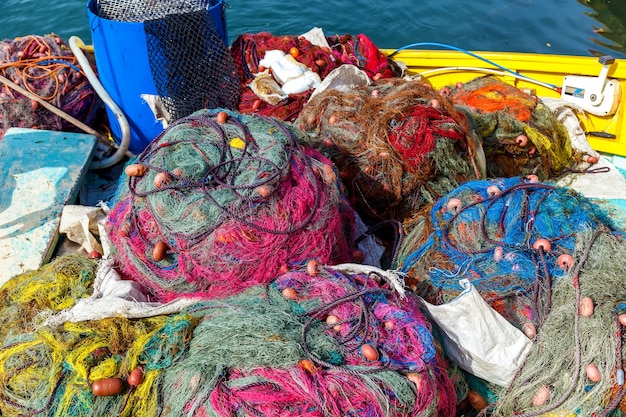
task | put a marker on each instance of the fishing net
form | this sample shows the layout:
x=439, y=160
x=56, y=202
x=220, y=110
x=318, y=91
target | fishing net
x=570, y=341
x=506, y=236
x=55, y=286
x=187, y=51
x=45, y=67
x=51, y=372
x=194, y=72
x=248, y=49
x=517, y=242
x=520, y=135
x=398, y=145
x=259, y=351
x=270, y=352
x=225, y=205
x=143, y=10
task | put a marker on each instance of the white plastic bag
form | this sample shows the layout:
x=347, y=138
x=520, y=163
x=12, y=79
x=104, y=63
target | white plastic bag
x=479, y=339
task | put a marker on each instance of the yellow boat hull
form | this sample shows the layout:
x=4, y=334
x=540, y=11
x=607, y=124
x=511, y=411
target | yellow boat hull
x=445, y=68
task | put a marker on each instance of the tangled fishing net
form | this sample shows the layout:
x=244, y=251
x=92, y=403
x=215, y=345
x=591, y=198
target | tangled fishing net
x=277, y=352
x=559, y=376
x=262, y=351
x=54, y=287
x=223, y=205
x=507, y=236
x=53, y=371
x=518, y=242
x=398, y=145
x=520, y=135
x=46, y=67
x=249, y=49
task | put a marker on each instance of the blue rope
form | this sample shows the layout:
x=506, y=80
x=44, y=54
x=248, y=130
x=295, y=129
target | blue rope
x=58, y=61
x=465, y=51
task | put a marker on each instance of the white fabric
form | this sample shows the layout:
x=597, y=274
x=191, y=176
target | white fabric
x=601, y=185
x=115, y=297
x=394, y=278
x=82, y=225
x=479, y=339
x=343, y=78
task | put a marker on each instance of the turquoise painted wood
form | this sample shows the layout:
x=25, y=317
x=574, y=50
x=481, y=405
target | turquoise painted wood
x=40, y=172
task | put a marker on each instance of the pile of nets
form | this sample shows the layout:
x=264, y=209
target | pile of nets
x=45, y=67
x=520, y=135
x=224, y=201
x=398, y=145
x=54, y=287
x=269, y=350
x=576, y=365
x=249, y=49
x=339, y=342
x=46, y=371
x=521, y=244
x=512, y=237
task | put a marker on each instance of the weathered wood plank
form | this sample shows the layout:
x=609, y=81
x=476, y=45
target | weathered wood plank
x=40, y=172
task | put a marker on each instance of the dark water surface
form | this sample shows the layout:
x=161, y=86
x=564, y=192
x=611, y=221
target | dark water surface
x=576, y=27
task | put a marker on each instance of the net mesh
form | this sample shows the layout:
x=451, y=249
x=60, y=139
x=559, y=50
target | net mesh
x=45, y=67
x=190, y=63
x=142, y=10
x=191, y=66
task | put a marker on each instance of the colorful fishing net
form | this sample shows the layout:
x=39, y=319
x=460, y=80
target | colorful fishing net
x=576, y=365
x=276, y=352
x=520, y=134
x=511, y=237
x=398, y=145
x=519, y=243
x=46, y=67
x=225, y=205
x=54, y=287
x=259, y=352
x=52, y=372
x=248, y=49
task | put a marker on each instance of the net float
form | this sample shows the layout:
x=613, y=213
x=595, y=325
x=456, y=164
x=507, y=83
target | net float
x=543, y=244
x=311, y=267
x=529, y=330
x=593, y=373
x=497, y=253
x=521, y=140
x=565, y=261
x=136, y=377
x=586, y=307
x=369, y=352
x=332, y=321
x=541, y=396
x=159, y=251
x=493, y=190
x=476, y=400
x=454, y=204
x=289, y=293
x=107, y=387
x=222, y=117
x=135, y=170
x=161, y=179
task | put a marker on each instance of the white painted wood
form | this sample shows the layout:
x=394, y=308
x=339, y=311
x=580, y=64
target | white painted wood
x=40, y=172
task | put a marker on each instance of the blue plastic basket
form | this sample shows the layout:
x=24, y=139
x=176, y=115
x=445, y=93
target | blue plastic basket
x=124, y=70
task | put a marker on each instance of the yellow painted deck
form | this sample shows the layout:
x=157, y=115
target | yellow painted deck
x=447, y=67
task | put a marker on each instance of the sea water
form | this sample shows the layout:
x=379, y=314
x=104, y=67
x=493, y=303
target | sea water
x=571, y=27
